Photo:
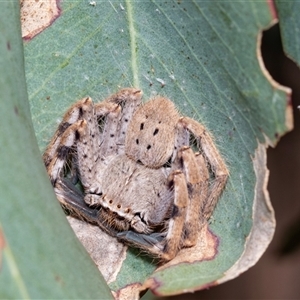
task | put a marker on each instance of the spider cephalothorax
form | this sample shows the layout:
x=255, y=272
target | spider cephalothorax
x=142, y=182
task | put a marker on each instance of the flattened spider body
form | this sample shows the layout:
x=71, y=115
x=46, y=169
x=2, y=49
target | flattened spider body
x=142, y=182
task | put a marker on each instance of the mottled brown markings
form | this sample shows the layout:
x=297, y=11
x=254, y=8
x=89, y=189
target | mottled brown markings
x=175, y=212
x=77, y=135
x=62, y=127
x=62, y=152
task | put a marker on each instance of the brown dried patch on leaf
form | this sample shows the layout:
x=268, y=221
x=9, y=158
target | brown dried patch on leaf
x=37, y=15
x=263, y=220
x=273, y=10
x=205, y=249
x=130, y=292
x=2, y=245
x=107, y=253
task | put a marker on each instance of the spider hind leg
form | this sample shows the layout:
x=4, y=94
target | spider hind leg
x=196, y=174
x=213, y=158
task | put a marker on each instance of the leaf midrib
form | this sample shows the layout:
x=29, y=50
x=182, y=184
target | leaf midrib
x=133, y=44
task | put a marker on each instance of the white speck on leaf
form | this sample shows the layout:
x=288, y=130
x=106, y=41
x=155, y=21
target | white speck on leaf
x=148, y=79
x=161, y=81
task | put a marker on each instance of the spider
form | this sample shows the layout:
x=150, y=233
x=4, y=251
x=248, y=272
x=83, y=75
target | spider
x=141, y=180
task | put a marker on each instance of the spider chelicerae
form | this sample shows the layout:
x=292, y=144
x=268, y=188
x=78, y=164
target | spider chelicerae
x=140, y=179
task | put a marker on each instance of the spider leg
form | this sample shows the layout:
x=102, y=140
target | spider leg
x=129, y=99
x=71, y=116
x=67, y=140
x=77, y=141
x=176, y=223
x=72, y=199
x=107, y=144
x=54, y=150
x=182, y=138
x=197, y=176
x=144, y=241
x=89, y=140
x=213, y=157
x=67, y=193
x=98, y=110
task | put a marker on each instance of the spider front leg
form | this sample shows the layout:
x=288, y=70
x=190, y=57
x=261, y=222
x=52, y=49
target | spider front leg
x=76, y=134
x=213, y=157
x=73, y=114
x=67, y=140
x=70, y=117
x=130, y=99
x=67, y=135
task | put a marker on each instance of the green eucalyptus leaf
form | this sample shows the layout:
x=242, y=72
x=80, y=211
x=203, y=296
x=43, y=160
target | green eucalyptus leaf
x=289, y=24
x=203, y=56
x=39, y=257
